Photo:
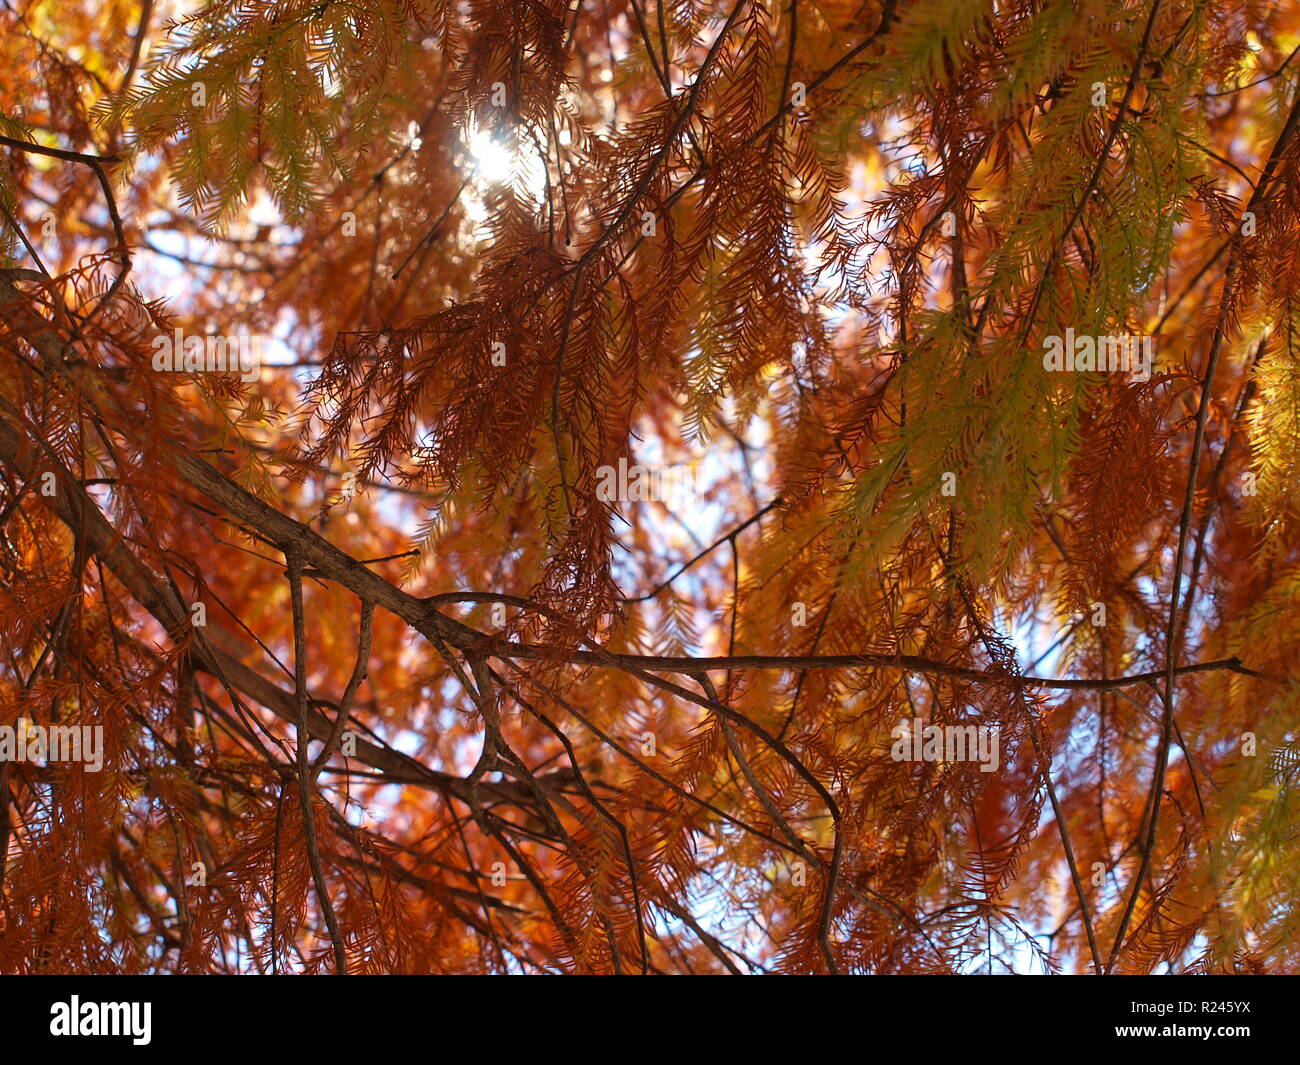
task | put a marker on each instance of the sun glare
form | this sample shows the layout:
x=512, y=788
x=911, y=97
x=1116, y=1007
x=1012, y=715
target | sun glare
x=498, y=160
x=493, y=161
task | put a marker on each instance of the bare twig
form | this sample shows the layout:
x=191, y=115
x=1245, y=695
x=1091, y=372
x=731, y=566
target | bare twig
x=305, y=777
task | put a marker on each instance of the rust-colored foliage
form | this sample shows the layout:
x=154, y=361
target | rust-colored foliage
x=647, y=436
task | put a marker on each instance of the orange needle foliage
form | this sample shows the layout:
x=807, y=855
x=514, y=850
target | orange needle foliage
x=501, y=477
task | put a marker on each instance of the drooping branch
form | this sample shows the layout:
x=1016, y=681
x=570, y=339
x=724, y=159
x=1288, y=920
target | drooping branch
x=1173, y=632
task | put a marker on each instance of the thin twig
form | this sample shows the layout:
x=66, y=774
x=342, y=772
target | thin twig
x=305, y=778
x=359, y=672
